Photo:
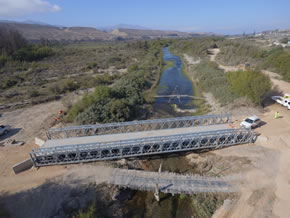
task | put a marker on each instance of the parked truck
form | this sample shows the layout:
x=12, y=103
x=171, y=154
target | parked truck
x=283, y=100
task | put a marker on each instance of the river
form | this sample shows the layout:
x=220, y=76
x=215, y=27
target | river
x=143, y=204
x=173, y=82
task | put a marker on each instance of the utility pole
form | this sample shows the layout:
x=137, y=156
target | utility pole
x=156, y=193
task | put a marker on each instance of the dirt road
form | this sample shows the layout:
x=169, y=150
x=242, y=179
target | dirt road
x=26, y=124
x=266, y=191
x=212, y=57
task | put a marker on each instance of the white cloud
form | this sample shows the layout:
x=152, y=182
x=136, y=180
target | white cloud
x=16, y=8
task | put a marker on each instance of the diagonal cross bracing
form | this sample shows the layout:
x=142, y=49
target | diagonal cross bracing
x=109, y=150
x=137, y=126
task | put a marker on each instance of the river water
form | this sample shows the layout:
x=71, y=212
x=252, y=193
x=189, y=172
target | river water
x=173, y=82
x=143, y=204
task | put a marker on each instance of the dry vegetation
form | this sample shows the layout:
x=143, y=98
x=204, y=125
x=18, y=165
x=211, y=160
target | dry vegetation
x=65, y=69
x=225, y=87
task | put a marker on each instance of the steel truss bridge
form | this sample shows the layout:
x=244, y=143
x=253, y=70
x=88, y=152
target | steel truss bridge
x=79, y=144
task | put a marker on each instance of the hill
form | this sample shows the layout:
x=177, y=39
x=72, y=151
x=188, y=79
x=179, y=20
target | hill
x=149, y=34
x=35, y=31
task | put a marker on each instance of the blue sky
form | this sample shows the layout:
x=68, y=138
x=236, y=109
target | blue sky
x=219, y=16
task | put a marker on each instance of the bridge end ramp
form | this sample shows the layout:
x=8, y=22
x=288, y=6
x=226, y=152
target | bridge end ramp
x=22, y=166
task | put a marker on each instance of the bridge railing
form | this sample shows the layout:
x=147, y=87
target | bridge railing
x=136, y=126
x=139, y=147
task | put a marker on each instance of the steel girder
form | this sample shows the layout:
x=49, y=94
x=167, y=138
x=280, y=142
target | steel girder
x=139, y=147
x=137, y=126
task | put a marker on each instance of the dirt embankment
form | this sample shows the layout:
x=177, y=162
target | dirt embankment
x=266, y=190
x=26, y=124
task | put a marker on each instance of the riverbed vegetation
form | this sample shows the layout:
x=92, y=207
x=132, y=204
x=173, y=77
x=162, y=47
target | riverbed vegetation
x=251, y=84
x=196, y=47
x=54, y=69
x=226, y=87
x=212, y=79
x=241, y=51
x=167, y=64
x=125, y=99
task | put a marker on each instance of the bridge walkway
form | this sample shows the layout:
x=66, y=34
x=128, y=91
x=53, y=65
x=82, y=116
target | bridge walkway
x=131, y=135
x=168, y=182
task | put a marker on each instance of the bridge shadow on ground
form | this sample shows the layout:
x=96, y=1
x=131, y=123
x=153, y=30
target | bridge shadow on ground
x=268, y=101
x=11, y=133
x=59, y=199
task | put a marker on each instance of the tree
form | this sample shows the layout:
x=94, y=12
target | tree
x=11, y=41
x=118, y=111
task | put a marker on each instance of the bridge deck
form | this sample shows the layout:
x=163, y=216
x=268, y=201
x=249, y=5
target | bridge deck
x=131, y=135
x=168, y=182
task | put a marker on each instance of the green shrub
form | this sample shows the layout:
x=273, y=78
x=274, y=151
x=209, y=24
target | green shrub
x=196, y=47
x=122, y=101
x=32, y=53
x=68, y=85
x=101, y=95
x=118, y=111
x=90, y=212
x=90, y=115
x=279, y=59
x=234, y=52
x=55, y=89
x=3, y=58
x=251, y=84
x=104, y=79
x=212, y=79
x=33, y=93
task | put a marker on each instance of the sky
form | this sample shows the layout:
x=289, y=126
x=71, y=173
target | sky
x=218, y=16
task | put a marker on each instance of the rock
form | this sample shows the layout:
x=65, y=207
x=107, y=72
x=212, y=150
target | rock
x=195, y=159
x=115, y=192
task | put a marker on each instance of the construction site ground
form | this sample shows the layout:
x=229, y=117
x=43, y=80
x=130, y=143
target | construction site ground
x=264, y=184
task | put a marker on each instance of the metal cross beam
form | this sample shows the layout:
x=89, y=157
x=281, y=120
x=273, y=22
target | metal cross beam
x=137, y=126
x=139, y=147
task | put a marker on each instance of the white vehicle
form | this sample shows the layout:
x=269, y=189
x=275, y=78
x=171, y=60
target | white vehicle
x=4, y=129
x=251, y=122
x=285, y=101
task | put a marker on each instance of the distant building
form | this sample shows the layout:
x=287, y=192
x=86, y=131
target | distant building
x=288, y=42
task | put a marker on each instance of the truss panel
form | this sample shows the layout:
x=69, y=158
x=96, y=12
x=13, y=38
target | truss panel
x=139, y=147
x=137, y=126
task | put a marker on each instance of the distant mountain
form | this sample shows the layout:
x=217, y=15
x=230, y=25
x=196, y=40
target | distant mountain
x=122, y=26
x=25, y=22
x=35, y=22
x=34, y=31
x=149, y=34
